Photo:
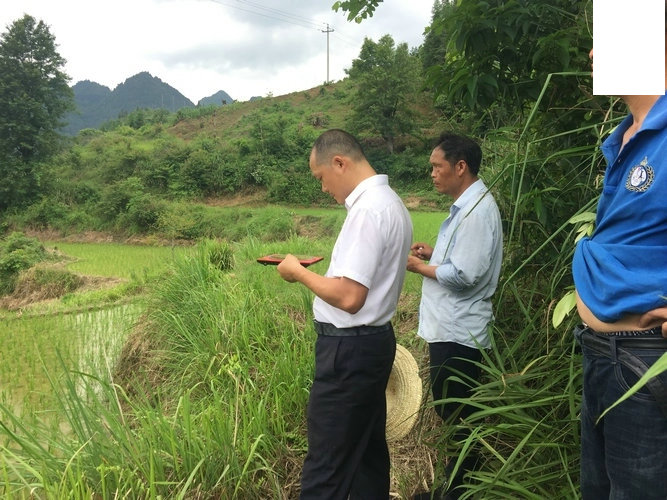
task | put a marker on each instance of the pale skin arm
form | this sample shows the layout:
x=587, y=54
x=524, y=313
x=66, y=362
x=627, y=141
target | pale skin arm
x=340, y=292
x=416, y=265
x=655, y=316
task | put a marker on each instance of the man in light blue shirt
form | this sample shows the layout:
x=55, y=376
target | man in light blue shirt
x=460, y=278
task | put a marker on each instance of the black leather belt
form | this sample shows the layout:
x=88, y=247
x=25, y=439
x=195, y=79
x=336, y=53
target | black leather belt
x=617, y=348
x=635, y=339
x=353, y=331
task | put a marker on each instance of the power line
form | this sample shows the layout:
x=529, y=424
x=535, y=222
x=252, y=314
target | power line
x=271, y=13
x=279, y=12
x=347, y=40
x=281, y=15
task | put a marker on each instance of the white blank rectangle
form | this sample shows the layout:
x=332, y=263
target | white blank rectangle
x=629, y=47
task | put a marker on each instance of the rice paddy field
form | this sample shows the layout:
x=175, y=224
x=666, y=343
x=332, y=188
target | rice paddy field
x=195, y=385
x=76, y=333
x=35, y=349
x=117, y=259
x=33, y=343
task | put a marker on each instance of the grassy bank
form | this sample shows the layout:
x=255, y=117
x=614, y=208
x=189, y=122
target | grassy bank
x=207, y=398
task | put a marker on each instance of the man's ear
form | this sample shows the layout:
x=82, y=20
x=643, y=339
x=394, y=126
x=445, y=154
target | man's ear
x=339, y=163
x=461, y=167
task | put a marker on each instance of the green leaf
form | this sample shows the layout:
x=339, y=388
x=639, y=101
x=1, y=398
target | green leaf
x=582, y=217
x=563, y=308
x=585, y=230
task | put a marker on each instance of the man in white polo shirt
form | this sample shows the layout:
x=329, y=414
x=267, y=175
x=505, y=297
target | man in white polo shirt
x=356, y=299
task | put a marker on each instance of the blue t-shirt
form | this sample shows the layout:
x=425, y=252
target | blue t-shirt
x=622, y=268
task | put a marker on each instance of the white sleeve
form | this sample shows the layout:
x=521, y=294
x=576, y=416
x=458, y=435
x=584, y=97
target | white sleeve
x=358, y=249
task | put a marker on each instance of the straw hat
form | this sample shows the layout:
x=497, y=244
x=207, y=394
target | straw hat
x=404, y=395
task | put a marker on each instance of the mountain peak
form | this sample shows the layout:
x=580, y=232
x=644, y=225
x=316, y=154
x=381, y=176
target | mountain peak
x=98, y=104
x=220, y=98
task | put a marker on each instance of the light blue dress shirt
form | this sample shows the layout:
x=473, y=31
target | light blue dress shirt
x=456, y=307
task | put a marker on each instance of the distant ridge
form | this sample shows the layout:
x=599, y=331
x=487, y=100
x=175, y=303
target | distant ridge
x=97, y=104
x=220, y=98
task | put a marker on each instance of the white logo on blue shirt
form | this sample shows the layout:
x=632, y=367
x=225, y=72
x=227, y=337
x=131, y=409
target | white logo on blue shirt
x=640, y=177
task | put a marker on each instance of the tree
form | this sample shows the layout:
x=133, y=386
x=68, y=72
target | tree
x=436, y=38
x=34, y=96
x=497, y=54
x=386, y=80
x=357, y=9
x=503, y=51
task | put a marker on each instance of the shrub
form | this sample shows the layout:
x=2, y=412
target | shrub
x=41, y=283
x=144, y=212
x=294, y=187
x=17, y=253
x=84, y=192
x=45, y=213
x=219, y=254
x=181, y=221
x=116, y=197
x=80, y=220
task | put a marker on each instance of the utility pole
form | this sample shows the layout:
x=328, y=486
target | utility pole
x=327, y=31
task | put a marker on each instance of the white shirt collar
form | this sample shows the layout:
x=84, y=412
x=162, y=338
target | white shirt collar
x=375, y=180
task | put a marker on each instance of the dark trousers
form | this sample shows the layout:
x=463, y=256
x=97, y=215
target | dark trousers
x=449, y=359
x=347, y=448
x=624, y=453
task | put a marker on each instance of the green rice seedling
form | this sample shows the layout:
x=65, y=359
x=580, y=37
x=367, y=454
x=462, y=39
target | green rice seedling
x=116, y=259
x=225, y=416
x=86, y=341
x=426, y=225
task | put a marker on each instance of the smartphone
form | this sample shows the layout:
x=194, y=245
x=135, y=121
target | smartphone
x=276, y=258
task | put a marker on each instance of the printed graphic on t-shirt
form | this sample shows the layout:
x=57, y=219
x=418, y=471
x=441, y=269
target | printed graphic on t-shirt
x=640, y=177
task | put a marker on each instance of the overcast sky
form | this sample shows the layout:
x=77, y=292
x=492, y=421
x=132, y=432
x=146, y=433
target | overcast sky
x=244, y=47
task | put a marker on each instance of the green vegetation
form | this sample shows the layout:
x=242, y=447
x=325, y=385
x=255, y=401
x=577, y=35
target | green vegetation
x=17, y=253
x=387, y=79
x=34, y=95
x=227, y=334
x=89, y=341
x=116, y=259
x=207, y=398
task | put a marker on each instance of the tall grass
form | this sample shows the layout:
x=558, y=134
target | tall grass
x=209, y=396
x=214, y=408
x=527, y=404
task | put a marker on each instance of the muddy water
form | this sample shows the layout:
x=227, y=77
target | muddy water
x=31, y=350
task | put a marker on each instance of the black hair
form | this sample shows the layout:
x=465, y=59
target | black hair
x=458, y=147
x=337, y=142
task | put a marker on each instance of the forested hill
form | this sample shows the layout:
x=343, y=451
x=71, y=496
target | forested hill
x=97, y=104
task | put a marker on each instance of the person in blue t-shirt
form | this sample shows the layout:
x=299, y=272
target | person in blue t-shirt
x=620, y=276
x=460, y=278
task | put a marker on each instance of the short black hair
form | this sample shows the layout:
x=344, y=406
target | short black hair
x=459, y=147
x=337, y=142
